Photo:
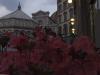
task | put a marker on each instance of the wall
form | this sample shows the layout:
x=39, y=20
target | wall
x=97, y=28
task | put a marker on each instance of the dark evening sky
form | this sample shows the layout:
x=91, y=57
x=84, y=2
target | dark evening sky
x=28, y=6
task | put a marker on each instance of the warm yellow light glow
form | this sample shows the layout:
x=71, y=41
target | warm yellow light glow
x=69, y=1
x=73, y=30
x=72, y=19
x=72, y=23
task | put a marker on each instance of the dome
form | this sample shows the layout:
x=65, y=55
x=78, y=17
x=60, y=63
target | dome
x=17, y=21
x=18, y=14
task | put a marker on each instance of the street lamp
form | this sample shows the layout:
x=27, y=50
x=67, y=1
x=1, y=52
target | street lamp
x=72, y=22
x=70, y=1
x=72, y=19
x=73, y=30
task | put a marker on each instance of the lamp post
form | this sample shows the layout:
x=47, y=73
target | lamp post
x=72, y=20
x=71, y=29
x=72, y=23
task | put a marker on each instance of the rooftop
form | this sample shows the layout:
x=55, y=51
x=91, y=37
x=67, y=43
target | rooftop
x=18, y=14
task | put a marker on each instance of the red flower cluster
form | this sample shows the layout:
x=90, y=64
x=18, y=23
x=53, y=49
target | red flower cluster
x=50, y=50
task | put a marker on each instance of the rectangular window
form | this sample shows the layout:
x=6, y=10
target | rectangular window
x=60, y=7
x=65, y=16
x=60, y=18
x=58, y=1
x=71, y=12
x=65, y=28
x=65, y=5
x=60, y=30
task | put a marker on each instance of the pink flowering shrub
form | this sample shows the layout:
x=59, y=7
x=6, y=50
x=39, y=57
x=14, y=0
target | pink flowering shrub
x=48, y=54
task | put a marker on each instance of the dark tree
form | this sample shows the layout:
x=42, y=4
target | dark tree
x=4, y=41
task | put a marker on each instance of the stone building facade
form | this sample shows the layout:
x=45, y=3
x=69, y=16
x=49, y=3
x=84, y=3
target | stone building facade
x=65, y=14
x=97, y=24
x=97, y=28
x=43, y=19
x=84, y=15
x=82, y=12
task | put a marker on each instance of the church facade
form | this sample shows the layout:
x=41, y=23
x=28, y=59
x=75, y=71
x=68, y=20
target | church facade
x=17, y=22
x=43, y=19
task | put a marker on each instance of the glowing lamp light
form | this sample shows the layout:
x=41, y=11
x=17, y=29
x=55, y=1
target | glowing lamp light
x=72, y=19
x=72, y=23
x=70, y=1
x=73, y=30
